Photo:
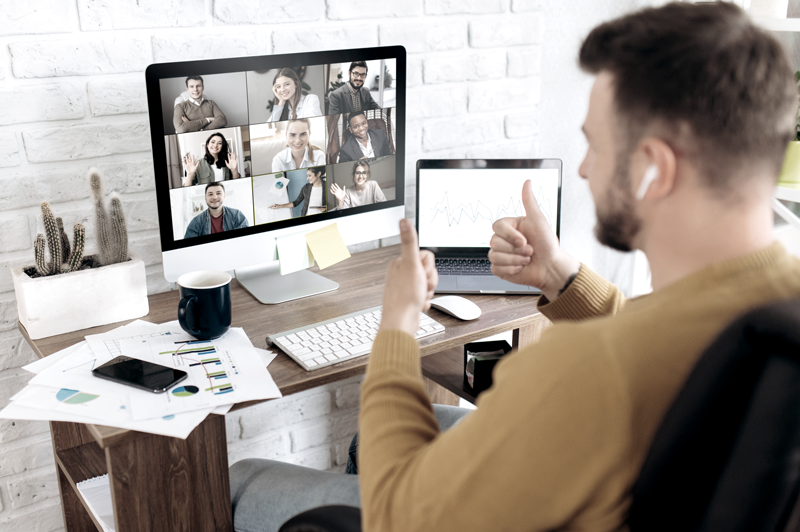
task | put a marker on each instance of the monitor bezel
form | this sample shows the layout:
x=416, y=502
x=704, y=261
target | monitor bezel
x=158, y=71
x=470, y=164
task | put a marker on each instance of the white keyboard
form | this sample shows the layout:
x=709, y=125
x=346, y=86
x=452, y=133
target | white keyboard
x=329, y=342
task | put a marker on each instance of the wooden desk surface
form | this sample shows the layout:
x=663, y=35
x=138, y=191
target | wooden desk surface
x=361, y=280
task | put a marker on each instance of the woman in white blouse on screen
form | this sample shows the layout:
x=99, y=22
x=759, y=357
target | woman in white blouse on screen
x=299, y=152
x=290, y=102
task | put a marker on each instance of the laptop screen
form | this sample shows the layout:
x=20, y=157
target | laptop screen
x=457, y=206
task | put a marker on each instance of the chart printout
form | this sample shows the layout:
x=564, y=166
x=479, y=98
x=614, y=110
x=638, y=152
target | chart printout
x=457, y=207
x=223, y=371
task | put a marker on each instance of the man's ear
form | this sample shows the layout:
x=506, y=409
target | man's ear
x=659, y=162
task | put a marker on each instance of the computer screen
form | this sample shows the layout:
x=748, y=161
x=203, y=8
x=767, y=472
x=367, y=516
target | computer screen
x=459, y=200
x=246, y=147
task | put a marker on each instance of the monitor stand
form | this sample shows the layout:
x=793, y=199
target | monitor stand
x=265, y=283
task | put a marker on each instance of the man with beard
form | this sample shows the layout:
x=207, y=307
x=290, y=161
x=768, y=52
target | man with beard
x=689, y=117
x=688, y=120
x=350, y=96
x=217, y=218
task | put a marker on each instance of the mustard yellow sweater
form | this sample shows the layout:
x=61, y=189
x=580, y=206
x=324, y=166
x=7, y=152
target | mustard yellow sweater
x=559, y=439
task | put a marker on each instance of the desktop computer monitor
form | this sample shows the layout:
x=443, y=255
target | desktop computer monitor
x=250, y=149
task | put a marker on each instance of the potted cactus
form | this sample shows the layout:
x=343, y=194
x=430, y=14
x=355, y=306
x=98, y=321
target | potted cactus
x=66, y=291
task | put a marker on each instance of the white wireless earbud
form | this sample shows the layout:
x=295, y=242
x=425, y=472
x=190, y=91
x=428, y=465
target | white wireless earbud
x=650, y=175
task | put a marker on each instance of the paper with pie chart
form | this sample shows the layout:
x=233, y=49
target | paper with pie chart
x=223, y=371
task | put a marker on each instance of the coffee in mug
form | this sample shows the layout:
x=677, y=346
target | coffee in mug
x=205, y=307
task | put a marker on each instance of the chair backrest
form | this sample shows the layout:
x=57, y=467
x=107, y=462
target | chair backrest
x=727, y=455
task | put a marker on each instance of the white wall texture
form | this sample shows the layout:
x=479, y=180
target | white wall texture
x=486, y=78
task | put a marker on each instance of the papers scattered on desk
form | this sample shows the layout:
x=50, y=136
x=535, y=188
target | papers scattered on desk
x=221, y=372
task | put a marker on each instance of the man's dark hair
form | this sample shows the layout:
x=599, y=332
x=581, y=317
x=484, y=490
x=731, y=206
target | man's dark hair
x=214, y=184
x=704, y=78
x=355, y=64
x=194, y=77
x=355, y=114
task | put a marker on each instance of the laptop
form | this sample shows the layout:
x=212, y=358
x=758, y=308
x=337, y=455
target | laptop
x=459, y=200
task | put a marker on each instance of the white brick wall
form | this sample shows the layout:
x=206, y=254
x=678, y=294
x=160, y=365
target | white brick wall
x=72, y=96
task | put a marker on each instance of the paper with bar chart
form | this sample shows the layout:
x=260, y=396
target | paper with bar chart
x=66, y=390
x=457, y=207
x=220, y=372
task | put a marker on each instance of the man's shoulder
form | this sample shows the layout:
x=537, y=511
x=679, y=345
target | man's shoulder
x=341, y=91
x=197, y=220
x=378, y=134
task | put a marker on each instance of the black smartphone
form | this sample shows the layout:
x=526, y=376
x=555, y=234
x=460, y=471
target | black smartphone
x=140, y=374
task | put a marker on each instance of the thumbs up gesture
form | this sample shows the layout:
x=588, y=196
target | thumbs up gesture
x=410, y=282
x=525, y=250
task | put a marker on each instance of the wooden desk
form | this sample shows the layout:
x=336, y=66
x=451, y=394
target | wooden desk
x=161, y=483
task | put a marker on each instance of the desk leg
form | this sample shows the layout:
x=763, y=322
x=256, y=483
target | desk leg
x=167, y=484
x=530, y=333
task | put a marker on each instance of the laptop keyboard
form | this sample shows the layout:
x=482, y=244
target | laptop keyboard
x=464, y=266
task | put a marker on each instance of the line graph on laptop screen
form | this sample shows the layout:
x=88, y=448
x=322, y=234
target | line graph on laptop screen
x=457, y=207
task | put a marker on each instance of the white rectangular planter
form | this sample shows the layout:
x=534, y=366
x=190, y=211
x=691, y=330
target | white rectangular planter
x=57, y=304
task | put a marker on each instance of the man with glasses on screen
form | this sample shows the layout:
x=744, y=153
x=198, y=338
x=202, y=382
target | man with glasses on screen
x=352, y=96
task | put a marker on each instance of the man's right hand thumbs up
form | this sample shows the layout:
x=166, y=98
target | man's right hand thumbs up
x=525, y=250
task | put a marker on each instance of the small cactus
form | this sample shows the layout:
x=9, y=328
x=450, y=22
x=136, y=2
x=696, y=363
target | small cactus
x=76, y=257
x=112, y=232
x=65, y=248
x=55, y=238
x=38, y=254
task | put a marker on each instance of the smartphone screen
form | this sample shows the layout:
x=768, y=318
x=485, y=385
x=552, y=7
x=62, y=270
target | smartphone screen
x=140, y=374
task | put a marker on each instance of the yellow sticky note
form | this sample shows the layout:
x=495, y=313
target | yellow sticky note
x=327, y=246
x=293, y=253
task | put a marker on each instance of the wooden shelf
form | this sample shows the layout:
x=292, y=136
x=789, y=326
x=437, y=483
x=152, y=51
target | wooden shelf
x=447, y=369
x=76, y=465
x=778, y=24
x=83, y=462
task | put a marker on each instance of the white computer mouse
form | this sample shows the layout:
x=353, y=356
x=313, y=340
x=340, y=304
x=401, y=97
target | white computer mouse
x=457, y=306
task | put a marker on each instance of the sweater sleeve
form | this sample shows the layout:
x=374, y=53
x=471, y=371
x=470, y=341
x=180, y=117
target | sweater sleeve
x=185, y=127
x=545, y=441
x=301, y=197
x=588, y=296
x=218, y=120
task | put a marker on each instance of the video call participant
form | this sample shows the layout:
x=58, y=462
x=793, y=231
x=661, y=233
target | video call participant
x=364, y=191
x=299, y=153
x=312, y=195
x=218, y=164
x=197, y=113
x=290, y=102
x=217, y=218
x=350, y=96
x=364, y=143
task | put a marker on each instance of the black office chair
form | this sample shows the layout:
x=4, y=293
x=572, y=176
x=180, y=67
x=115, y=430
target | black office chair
x=726, y=457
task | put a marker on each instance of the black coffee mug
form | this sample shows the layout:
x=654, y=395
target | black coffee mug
x=205, y=307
